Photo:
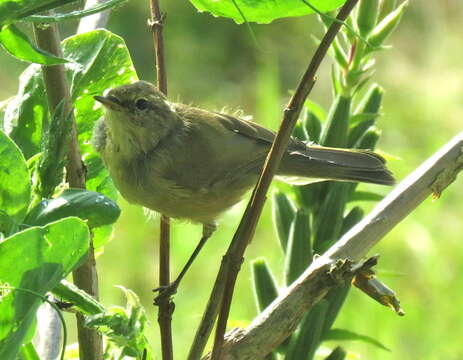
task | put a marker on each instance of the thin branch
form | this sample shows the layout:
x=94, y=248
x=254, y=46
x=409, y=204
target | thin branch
x=166, y=305
x=156, y=24
x=249, y=221
x=57, y=88
x=281, y=317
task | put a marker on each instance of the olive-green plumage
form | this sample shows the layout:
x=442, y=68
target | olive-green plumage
x=185, y=162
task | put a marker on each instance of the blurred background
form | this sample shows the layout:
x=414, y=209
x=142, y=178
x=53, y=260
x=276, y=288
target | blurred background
x=214, y=63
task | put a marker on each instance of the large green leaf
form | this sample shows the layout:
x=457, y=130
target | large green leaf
x=18, y=44
x=11, y=10
x=35, y=259
x=104, y=62
x=263, y=11
x=27, y=113
x=100, y=60
x=15, y=184
x=97, y=209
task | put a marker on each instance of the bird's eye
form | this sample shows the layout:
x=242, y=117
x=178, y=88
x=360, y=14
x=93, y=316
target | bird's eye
x=141, y=104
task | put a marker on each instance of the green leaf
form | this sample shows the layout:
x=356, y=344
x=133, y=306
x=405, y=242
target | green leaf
x=337, y=354
x=386, y=26
x=74, y=15
x=124, y=327
x=366, y=115
x=265, y=286
x=299, y=132
x=26, y=115
x=79, y=299
x=335, y=299
x=330, y=216
x=283, y=215
x=367, y=16
x=368, y=139
x=28, y=352
x=365, y=196
x=335, y=131
x=263, y=11
x=299, y=251
x=104, y=63
x=96, y=208
x=307, y=340
x=15, y=183
x=54, y=146
x=11, y=10
x=352, y=218
x=312, y=121
x=342, y=334
x=18, y=44
x=100, y=60
x=35, y=259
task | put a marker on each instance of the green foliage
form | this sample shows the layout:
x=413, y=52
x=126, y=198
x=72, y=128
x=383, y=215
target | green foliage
x=322, y=214
x=366, y=115
x=50, y=168
x=12, y=10
x=95, y=208
x=15, y=185
x=100, y=60
x=265, y=287
x=124, y=327
x=299, y=250
x=342, y=334
x=47, y=255
x=28, y=352
x=73, y=15
x=263, y=11
x=337, y=354
x=80, y=300
x=20, y=46
x=305, y=343
x=335, y=131
x=283, y=215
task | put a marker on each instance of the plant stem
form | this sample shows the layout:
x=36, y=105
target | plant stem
x=57, y=88
x=166, y=306
x=249, y=221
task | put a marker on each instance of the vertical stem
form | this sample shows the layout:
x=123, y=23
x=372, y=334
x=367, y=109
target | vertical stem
x=57, y=88
x=251, y=216
x=166, y=306
x=156, y=23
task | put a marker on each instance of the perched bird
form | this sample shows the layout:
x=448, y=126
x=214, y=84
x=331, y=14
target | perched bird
x=190, y=163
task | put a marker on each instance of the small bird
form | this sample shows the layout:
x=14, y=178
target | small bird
x=190, y=163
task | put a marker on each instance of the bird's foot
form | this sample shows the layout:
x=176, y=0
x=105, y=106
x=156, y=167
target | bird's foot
x=165, y=292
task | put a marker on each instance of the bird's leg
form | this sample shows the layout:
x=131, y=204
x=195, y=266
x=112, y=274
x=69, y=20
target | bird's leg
x=171, y=289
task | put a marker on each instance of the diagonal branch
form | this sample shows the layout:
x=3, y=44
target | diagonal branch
x=281, y=317
x=248, y=224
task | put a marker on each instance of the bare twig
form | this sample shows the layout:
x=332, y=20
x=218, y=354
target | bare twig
x=166, y=305
x=57, y=88
x=156, y=24
x=280, y=318
x=248, y=223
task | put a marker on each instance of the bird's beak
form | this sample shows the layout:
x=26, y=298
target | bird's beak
x=108, y=101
